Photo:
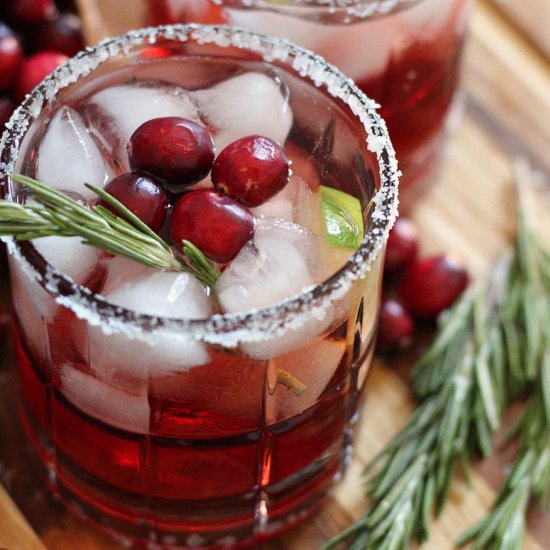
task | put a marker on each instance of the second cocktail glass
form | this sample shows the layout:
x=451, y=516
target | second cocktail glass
x=405, y=54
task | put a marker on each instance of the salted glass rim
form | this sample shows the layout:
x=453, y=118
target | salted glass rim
x=229, y=328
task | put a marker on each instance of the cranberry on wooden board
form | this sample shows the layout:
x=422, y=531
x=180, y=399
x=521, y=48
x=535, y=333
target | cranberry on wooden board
x=431, y=285
x=142, y=195
x=251, y=170
x=216, y=224
x=62, y=34
x=32, y=11
x=11, y=57
x=176, y=150
x=402, y=246
x=34, y=69
x=395, y=326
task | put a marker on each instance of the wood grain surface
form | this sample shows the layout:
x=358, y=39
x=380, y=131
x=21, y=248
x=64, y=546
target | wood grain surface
x=469, y=210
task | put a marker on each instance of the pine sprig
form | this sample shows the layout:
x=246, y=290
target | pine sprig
x=488, y=349
x=123, y=234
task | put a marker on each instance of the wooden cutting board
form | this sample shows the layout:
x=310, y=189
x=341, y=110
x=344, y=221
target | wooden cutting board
x=469, y=210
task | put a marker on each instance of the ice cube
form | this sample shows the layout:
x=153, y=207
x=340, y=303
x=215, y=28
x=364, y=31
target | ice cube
x=280, y=262
x=164, y=294
x=360, y=53
x=279, y=206
x=251, y=103
x=296, y=194
x=282, y=204
x=303, y=164
x=177, y=295
x=68, y=156
x=34, y=307
x=226, y=394
x=112, y=405
x=69, y=255
x=128, y=106
x=313, y=365
x=308, y=34
x=268, y=269
x=336, y=43
x=120, y=270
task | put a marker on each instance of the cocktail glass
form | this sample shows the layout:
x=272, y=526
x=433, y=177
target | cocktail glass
x=405, y=54
x=159, y=420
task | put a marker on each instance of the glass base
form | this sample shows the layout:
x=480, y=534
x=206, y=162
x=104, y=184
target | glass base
x=162, y=524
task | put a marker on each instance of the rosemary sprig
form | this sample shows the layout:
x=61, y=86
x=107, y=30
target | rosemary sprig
x=459, y=385
x=487, y=350
x=124, y=234
x=504, y=525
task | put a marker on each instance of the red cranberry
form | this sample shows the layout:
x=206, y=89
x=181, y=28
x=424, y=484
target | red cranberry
x=62, y=34
x=142, y=195
x=32, y=11
x=6, y=109
x=395, y=326
x=251, y=170
x=218, y=225
x=402, y=245
x=431, y=285
x=174, y=149
x=34, y=69
x=11, y=57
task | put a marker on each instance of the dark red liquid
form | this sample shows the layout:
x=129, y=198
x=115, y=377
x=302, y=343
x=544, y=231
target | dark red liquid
x=415, y=109
x=196, y=470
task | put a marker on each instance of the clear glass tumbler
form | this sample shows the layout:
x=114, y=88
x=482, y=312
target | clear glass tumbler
x=405, y=54
x=160, y=418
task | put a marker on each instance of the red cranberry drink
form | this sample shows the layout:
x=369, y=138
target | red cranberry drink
x=403, y=53
x=182, y=411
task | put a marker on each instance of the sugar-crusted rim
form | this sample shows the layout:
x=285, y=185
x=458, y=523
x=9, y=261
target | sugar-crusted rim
x=360, y=9
x=233, y=328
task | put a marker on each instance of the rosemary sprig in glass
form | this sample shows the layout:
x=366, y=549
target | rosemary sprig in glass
x=485, y=353
x=124, y=235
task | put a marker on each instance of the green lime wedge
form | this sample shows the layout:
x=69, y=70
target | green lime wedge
x=343, y=218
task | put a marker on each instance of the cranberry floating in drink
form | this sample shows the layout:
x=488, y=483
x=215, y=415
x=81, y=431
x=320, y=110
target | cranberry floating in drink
x=182, y=411
x=177, y=150
x=142, y=195
x=218, y=225
x=252, y=170
x=405, y=54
